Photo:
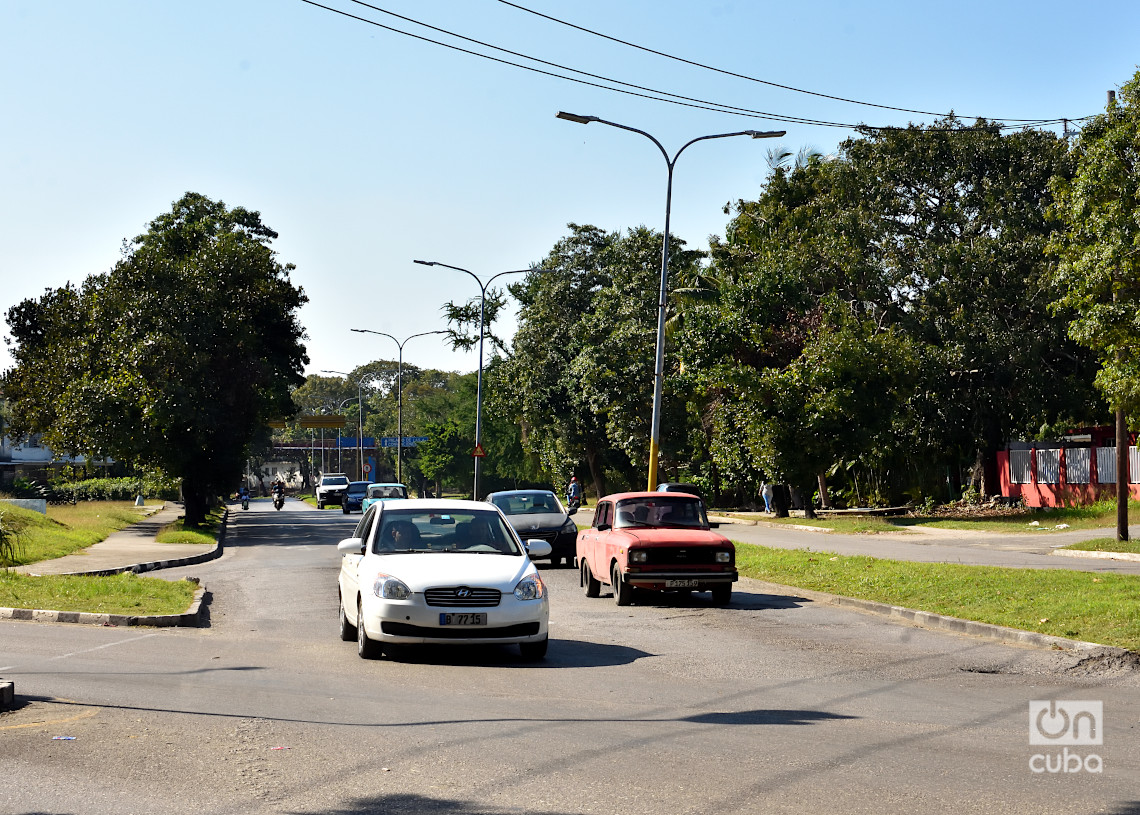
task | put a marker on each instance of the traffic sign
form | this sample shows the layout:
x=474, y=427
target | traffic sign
x=367, y=468
x=479, y=452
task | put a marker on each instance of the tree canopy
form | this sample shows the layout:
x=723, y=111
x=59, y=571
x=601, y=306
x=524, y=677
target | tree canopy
x=177, y=357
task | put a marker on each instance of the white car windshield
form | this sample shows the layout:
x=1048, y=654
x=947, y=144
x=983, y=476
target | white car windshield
x=528, y=503
x=334, y=482
x=661, y=510
x=469, y=531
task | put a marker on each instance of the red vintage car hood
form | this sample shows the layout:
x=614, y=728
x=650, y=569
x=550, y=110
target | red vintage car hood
x=673, y=537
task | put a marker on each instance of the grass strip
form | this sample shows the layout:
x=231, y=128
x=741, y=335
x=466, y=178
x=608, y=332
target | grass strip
x=119, y=594
x=1106, y=545
x=207, y=533
x=67, y=528
x=1100, y=515
x=1101, y=608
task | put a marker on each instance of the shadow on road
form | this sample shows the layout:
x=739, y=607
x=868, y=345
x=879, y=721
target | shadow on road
x=745, y=717
x=562, y=654
x=740, y=600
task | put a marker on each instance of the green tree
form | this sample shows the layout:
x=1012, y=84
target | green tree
x=934, y=233
x=175, y=358
x=445, y=456
x=1098, y=278
x=579, y=380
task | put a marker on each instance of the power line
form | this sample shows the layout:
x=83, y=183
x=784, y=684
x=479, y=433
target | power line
x=639, y=91
x=750, y=78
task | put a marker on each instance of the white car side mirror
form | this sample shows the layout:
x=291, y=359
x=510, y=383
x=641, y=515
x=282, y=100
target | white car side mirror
x=538, y=548
x=353, y=546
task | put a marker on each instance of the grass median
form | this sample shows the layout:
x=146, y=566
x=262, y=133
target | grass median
x=1101, y=608
x=67, y=528
x=118, y=594
x=207, y=533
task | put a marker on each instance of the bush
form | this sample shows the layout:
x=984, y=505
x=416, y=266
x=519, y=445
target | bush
x=10, y=530
x=116, y=489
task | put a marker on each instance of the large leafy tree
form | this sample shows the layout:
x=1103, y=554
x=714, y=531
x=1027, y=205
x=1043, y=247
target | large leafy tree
x=936, y=234
x=580, y=377
x=1098, y=277
x=175, y=358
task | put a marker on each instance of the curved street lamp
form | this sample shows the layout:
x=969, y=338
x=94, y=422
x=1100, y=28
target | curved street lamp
x=479, y=381
x=399, y=392
x=659, y=368
x=360, y=414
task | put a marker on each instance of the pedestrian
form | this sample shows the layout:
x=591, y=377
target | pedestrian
x=766, y=494
x=574, y=492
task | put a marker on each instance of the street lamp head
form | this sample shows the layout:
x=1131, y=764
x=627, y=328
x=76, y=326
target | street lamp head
x=574, y=117
x=426, y=262
x=766, y=134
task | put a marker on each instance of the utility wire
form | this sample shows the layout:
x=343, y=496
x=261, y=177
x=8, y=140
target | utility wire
x=649, y=93
x=751, y=78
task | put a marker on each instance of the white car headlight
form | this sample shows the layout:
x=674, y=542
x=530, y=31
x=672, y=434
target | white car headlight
x=530, y=587
x=638, y=555
x=390, y=588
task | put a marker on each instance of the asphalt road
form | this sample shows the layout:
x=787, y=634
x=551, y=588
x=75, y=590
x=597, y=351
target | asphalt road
x=771, y=705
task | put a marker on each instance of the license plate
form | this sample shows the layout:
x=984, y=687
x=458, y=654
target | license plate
x=462, y=619
x=689, y=583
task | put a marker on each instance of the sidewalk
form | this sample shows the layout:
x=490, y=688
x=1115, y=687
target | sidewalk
x=133, y=549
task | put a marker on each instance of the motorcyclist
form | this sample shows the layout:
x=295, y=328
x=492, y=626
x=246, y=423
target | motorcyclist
x=243, y=496
x=278, y=490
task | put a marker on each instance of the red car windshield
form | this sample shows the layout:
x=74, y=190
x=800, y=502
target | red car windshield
x=663, y=511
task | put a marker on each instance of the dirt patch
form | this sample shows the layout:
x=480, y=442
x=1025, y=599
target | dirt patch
x=1107, y=664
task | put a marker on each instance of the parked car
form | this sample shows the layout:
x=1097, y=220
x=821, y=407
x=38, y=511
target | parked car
x=354, y=496
x=331, y=489
x=441, y=572
x=383, y=492
x=539, y=514
x=654, y=541
x=677, y=486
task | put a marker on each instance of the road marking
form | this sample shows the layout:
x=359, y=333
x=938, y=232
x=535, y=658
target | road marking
x=87, y=650
x=87, y=714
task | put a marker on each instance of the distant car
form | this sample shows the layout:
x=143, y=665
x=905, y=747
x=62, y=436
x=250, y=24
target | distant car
x=658, y=541
x=539, y=514
x=677, y=486
x=441, y=572
x=331, y=489
x=354, y=496
x=383, y=492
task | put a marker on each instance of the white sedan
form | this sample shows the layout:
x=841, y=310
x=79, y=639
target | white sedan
x=437, y=571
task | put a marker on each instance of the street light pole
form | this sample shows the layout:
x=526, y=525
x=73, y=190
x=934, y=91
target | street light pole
x=659, y=366
x=360, y=415
x=479, y=381
x=399, y=392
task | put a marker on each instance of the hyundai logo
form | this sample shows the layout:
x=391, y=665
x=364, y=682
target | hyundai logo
x=463, y=592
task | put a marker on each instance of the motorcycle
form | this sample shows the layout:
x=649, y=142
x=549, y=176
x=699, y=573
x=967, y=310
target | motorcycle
x=573, y=504
x=278, y=501
x=245, y=502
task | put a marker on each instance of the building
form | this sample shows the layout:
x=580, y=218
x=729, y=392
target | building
x=1080, y=469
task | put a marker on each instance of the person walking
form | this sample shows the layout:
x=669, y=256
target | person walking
x=574, y=491
x=766, y=494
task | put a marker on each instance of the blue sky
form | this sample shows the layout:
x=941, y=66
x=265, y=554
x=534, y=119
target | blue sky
x=366, y=149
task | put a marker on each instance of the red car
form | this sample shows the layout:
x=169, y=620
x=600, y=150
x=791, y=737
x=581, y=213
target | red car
x=659, y=541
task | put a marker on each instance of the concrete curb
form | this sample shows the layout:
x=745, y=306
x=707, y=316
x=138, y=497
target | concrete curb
x=1130, y=556
x=192, y=618
x=942, y=622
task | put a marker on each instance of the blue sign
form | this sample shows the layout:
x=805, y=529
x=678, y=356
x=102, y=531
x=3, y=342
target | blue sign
x=409, y=441
x=350, y=441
